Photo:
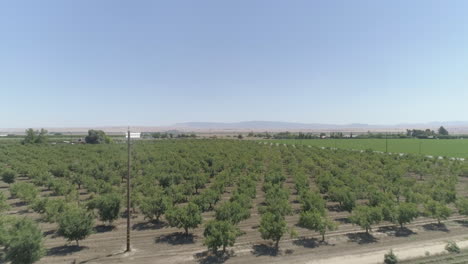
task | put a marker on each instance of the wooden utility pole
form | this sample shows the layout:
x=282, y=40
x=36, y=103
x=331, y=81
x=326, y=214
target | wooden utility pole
x=128, y=191
x=386, y=142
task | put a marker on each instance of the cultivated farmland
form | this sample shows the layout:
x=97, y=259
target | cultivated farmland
x=281, y=202
x=457, y=148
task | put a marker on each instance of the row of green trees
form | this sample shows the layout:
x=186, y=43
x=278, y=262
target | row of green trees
x=175, y=181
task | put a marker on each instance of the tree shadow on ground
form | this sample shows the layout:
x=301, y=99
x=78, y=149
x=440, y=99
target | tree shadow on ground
x=264, y=250
x=18, y=204
x=148, y=226
x=436, y=227
x=296, y=201
x=104, y=228
x=343, y=220
x=362, y=238
x=207, y=257
x=463, y=223
x=307, y=242
x=64, y=250
x=22, y=212
x=132, y=214
x=334, y=208
x=94, y=259
x=396, y=231
x=177, y=238
x=49, y=233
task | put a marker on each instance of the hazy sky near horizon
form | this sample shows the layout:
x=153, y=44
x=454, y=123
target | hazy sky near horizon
x=109, y=62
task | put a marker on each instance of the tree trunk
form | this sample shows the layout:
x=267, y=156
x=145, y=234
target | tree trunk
x=323, y=237
x=367, y=230
x=186, y=231
x=276, y=245
x=224, y=249
x=77, y=243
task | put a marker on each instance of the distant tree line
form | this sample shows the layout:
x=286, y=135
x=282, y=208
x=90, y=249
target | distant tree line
x=441, y=133
x=169, y=135
x=260, y=135
x=35, y=136
x=97, y=137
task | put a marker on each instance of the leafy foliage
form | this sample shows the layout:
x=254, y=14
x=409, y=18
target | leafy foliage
x=97, y=137
x=232, y=212
x=437, y=210
x=317, y=221
x=452, y=247
x=22, y=240
x=35, y=136
x=219, y=234
x=75, y=224
x=154, y=204
x=3, y=202
x=273, y=226
x=366, y=216
x=108, y=206
x=390, y=258
x=8, y=176
x=185, y=217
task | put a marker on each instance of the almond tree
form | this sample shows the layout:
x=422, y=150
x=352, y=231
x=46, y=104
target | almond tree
x=185, y=217
x=75, y=224
x=318, y=222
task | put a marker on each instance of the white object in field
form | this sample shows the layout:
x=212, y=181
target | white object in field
x=133, y=135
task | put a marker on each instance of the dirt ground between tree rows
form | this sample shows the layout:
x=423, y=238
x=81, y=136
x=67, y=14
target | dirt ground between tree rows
x=158, y=243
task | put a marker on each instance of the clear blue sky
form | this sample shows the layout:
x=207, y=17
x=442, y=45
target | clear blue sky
x=91, y=63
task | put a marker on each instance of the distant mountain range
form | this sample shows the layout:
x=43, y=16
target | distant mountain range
x=273, y=126
x=454, y=127
x=263, y=125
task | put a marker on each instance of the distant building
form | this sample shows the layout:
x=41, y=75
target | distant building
x=133, y=135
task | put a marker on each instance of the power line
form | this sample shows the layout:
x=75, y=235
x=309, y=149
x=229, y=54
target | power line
x=128, y=191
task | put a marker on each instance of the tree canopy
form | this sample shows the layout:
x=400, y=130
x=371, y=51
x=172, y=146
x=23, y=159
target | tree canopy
x=22, y=240
x=185, y=217
x=35, y=136
x=219, y=234
x=75, y=224
x=443, y=131
x=97, y=137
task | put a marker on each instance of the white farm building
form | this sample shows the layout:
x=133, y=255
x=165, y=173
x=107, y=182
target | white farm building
x=133, y=135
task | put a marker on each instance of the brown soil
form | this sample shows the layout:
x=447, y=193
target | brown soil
x=158, y=243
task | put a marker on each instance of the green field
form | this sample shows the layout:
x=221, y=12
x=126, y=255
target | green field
x=436, y=147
